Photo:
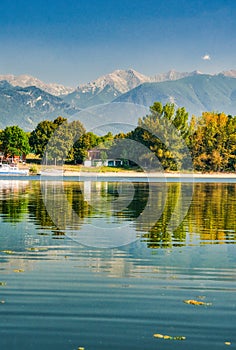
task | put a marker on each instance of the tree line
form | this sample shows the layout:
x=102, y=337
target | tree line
x=57, y=139
x=210, y=139
x=160, y=135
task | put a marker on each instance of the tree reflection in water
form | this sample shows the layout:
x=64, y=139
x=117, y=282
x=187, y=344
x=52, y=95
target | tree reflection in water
x=210, y=218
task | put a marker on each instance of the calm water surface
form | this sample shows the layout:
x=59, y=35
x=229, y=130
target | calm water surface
x=105, y=265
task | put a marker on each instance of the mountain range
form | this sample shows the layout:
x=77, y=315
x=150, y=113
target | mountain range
x=25, y=80
x=106, y=88
x=27, y=106
x=25, y=100
x=197, y=93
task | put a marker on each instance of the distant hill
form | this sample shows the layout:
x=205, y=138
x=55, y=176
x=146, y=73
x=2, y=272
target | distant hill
x=28, y=106
x=196, y=93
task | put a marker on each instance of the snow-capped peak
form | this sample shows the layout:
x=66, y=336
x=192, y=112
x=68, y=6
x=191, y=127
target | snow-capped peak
x=230, y=73
x=25, y=80
x=120, y=80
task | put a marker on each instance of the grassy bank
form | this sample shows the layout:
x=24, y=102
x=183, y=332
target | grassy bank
x=34, y=165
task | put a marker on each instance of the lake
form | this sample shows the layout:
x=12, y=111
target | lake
x=106, y=265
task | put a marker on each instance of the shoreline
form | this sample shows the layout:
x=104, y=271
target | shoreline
x=70, y=175
x=133, y=174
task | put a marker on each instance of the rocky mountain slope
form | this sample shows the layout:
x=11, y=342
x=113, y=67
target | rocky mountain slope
x=106, y=88
x=196, y=93
x=173, y=75
x=28, y=106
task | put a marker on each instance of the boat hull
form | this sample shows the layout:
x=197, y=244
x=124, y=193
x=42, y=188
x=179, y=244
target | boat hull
x=14, y=173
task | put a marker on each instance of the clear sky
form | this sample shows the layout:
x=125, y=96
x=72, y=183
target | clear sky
x=75, y=41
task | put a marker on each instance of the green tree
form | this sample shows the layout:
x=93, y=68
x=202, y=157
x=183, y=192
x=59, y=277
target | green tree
x=55, y=139
x=61, y=143
x=40, y=136
x=106, y=141
x=15, y=141
x=162, y=132
x=86, y=141
x=59, y=121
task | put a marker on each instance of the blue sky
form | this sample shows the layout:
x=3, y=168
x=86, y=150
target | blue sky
x=76, y=41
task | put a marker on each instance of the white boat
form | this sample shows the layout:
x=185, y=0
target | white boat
x=12, y=169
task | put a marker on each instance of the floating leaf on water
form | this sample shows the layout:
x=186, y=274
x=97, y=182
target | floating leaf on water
x=3, y=284
x=18, y=270
x=173, y=277
x=179, y=338
x=157, y=335
x=32, y=249
x=10, y=252
x=37, y=249
x=168, y=337
x=196, y=302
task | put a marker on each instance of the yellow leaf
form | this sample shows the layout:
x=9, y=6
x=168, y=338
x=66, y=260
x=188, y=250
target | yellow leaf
x=196, y=302
x=157, y=335
x=18, y=270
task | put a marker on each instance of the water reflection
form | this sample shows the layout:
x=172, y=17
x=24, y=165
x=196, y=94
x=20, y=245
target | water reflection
x=103, y=298
x=14, y=199
x=210, y=218
x=160, y=235
x=212, y=213
x=148, y=210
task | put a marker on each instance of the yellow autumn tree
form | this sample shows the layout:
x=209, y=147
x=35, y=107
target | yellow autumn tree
x=213, y=142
